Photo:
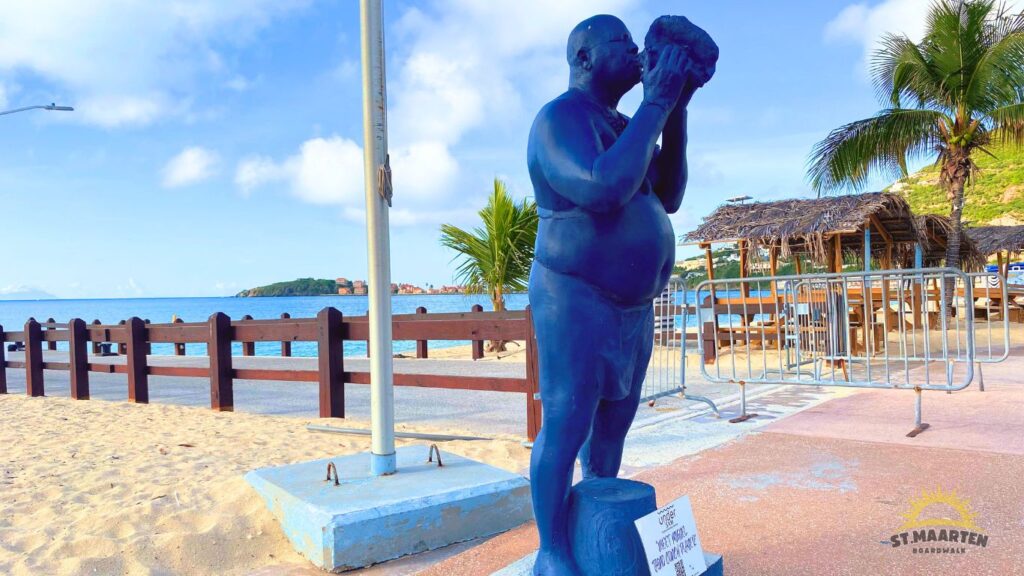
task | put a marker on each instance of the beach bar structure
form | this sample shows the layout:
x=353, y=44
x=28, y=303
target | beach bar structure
x=875, y=228
x=821, y=230
x=935, y=231
x=1001, y=241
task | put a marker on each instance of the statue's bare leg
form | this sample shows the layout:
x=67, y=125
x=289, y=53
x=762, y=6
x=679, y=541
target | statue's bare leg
x=601, y=455
x=568, y=322
x=551, y=470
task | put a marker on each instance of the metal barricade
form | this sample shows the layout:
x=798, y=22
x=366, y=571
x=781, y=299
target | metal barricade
x=900, y=329
x=666, y=371
x=991, y=303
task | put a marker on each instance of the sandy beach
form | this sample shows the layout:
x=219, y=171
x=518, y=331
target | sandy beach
x=95, y=487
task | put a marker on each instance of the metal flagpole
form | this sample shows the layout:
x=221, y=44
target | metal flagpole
x=378, y=200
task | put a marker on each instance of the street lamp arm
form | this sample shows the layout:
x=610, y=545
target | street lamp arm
x=50, y=106
x=21, y=109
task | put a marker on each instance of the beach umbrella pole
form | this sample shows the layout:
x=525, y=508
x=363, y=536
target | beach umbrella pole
x=375, y=146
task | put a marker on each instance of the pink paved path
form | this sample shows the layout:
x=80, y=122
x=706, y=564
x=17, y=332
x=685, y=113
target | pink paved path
x=821, y=492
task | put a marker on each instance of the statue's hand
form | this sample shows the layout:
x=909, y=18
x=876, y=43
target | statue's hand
x=663, y=83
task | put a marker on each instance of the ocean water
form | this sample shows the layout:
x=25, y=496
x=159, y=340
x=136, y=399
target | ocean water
x=13, y=314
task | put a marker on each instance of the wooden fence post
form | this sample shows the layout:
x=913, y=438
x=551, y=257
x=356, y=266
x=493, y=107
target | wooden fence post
x=53, y=344
x=248, y=348
x=218, y=347
x=330, y=360
x=286, y=346
x=478, y=345
x=421, y=345
x=33, y=358
x=78, y=338
x=138, y=373
x=96, y=344
x=3, y=363
x=533, y=404
x=179, y=347
x=122, y=348
x=148, y=344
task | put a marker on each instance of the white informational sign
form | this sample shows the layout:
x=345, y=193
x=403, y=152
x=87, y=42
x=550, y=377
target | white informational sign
x=670, y=540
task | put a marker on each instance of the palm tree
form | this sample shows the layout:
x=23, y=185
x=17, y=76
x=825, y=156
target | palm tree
x=948, y=96
x=497, y=257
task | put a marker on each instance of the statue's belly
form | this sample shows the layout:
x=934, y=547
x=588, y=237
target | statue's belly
x=628, y=254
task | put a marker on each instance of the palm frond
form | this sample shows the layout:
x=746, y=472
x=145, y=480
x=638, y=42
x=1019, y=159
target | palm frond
x=883, y=142
x=899, y=71
x=999, y=74
x=495, y=258
x=1009, y=123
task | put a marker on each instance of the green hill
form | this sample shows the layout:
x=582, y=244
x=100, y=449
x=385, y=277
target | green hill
x=997, y=193
x=300, y=287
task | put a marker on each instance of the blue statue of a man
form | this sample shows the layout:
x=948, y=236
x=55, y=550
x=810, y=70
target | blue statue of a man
x=605, y=249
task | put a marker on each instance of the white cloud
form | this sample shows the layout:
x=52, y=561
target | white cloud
x=325, y=171
x=256, y=171
x=865, y=23
x=3, y=96
x=127, y=63
x=330, y=171
x=192, y=165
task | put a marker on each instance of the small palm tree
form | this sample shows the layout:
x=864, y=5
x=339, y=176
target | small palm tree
x=497, y=257
x=949, y=96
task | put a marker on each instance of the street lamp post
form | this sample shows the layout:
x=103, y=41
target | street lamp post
x=50, y=106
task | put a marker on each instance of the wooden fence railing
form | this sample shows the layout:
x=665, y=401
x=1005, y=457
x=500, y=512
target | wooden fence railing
x=329, y=330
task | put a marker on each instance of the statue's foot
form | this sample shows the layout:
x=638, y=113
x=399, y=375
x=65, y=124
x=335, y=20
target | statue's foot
x=550, y=563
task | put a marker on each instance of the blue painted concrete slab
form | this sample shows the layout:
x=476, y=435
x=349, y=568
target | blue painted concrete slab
x=366, y=520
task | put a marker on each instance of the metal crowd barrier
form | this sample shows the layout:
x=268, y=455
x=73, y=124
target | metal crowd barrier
x=900, y=329
x=666, y=372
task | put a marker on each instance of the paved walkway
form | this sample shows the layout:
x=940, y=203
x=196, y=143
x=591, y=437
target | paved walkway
x=823, y=490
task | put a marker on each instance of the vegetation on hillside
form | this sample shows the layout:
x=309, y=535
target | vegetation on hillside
x=996, y=193
x=299, y=287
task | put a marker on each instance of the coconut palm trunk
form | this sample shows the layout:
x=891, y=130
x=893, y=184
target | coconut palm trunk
x=498, y=303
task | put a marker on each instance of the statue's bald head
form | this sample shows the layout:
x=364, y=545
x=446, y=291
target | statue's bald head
x=602, y=55
x=590, y=32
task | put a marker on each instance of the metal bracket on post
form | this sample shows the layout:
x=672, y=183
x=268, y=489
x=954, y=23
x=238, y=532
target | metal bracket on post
x=384, y=187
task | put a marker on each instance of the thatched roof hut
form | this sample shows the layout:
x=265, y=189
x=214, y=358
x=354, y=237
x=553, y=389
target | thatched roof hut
x=934, y=231
x=995, y=239
x=813, y=225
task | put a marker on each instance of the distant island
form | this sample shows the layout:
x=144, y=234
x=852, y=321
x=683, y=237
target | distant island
x=24, y=293
x=339, y=286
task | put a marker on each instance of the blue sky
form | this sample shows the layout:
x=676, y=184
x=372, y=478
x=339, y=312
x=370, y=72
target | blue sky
x=216, y=146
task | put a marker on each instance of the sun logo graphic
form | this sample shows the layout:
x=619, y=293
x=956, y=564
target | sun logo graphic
x=951, y=531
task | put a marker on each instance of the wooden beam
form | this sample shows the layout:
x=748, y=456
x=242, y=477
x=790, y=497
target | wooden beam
x=881, y=229
x=797, y=264
x=709, y=263
x=836, y=265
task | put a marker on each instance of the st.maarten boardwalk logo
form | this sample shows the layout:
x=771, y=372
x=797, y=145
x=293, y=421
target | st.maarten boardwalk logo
x=928, y=530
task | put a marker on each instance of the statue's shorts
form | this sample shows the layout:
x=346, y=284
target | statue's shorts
x=586, y=339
